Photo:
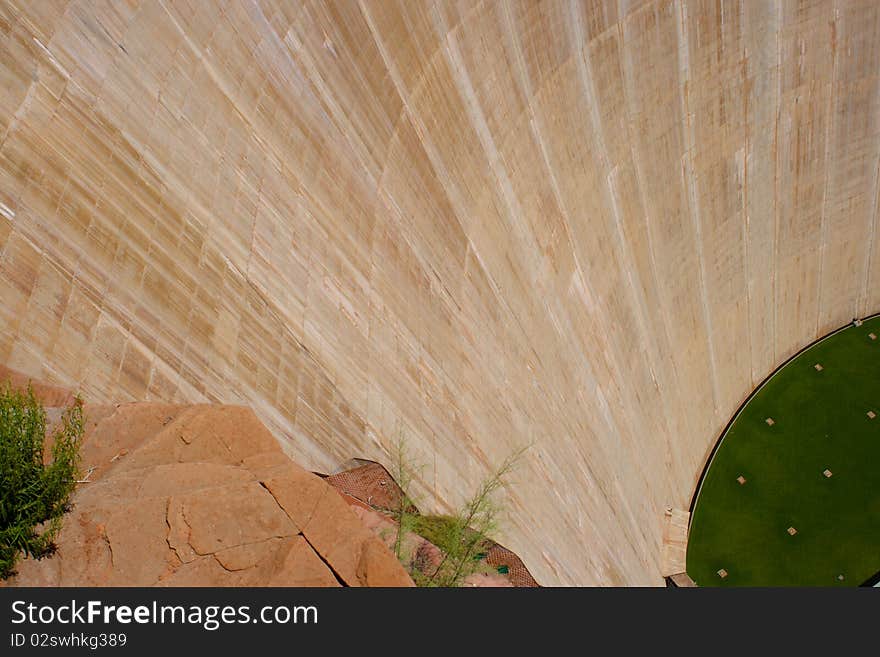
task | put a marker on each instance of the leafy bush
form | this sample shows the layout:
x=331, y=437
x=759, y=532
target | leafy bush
x=404, y=514
x=462, y=546
x=34, y=495
x=462, y=537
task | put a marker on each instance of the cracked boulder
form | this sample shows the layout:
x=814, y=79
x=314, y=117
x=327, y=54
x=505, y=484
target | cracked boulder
x=203, y=496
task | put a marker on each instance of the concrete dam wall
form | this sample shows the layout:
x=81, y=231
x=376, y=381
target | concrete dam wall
x=589, y=227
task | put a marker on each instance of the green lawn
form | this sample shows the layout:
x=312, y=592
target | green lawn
x=820, y=422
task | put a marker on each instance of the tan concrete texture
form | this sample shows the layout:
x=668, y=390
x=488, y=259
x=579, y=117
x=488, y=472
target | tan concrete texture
x=476, y=225
x=675, y=537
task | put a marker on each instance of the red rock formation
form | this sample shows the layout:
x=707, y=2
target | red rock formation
x=202, y=496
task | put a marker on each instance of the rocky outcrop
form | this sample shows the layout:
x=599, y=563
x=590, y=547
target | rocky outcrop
x=203, y=496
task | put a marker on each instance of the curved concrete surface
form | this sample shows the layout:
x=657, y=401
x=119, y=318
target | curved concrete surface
x=592, y=227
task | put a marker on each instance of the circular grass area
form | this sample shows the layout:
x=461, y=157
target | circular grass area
x=820, y=426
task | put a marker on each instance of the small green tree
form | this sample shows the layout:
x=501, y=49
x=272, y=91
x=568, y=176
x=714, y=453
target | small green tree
x=34, y=495
x=465, y=535
x=462, y=537
x=403, y=514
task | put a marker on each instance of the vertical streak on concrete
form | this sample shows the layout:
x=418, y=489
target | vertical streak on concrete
x=863, y=307
x=608, y=191
x=537, y=131
x=535, y=127
x=690, y=181
x=686, y=423
x=418, y=125
x=453, y=194
x=829, y=122
x=346, y=129
x=512, y=210
x=478, y=121
x=635, y=289
x=774, y=276
x=628, y=101
x=637, y=302
x=746, y=220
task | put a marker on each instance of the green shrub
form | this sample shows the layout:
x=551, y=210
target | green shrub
x=34, y=495
x=462, y=538
x=403, y=475
x=465, y=535
x=462, y=546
